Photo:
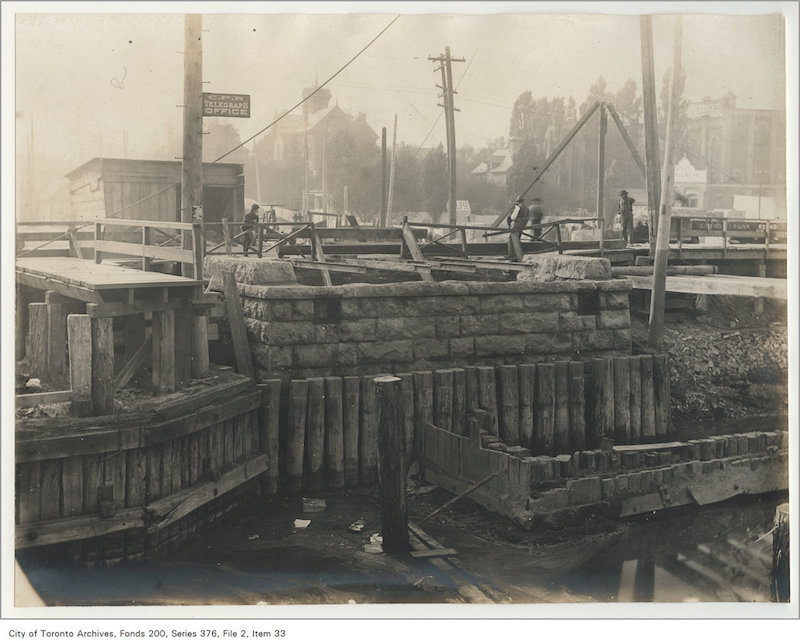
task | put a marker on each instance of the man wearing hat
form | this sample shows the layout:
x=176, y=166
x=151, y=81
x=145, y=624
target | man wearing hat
x=625, y=210
x=517, y=221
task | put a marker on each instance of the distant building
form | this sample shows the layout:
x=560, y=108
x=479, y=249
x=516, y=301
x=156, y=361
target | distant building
x=495, y=168
x=740, y=152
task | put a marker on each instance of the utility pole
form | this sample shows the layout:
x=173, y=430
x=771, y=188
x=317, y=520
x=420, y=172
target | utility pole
x=655, y=338
x=601, y=161
x=192, y=163
x=324, y=177
x=449, y=113
x=383, y=221
x=653, y=174
x=258, y=175
x=307, y=194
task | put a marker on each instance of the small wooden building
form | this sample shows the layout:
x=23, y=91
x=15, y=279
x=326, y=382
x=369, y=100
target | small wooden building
x=151, y=190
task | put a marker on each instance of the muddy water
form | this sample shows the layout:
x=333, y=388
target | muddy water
x=715, y=553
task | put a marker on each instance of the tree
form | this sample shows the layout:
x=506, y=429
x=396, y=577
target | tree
x=221, y=139
x=408, y=196
x=353, y=164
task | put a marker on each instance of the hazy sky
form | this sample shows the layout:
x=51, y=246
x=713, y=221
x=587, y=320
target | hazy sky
x=85, y=78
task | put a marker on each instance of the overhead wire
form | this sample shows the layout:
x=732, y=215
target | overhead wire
x=216, y=160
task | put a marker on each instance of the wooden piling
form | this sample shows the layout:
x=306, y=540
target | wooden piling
x=601, y=411
x=79, y=337
x=526, y=374
x=315, y=434
x=184, y=328
x=20, y=322
x=233, y=305
x=561, y=428
x=423, y=401
x=368, y=436
x=487, y=396
x=661, y=395
x=622, y=401
x=350, y=418
x=648, y=415
x=56, y=339
x=102, y=366
x=459, y=401
x=407, y=379
x=443, y=399
x=391, y=452
x=298, y=401
x=635, y=387
x=164, y=351
x=37, y=340
x=545, y=409
x=268, y=430
x=50, y=497
x=133, y=336
x=72, y=475
x=471, y=388
x=334, y=434
x=508, y=384
x=577, y=409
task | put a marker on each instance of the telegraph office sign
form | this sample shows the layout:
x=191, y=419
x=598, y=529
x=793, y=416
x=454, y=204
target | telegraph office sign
x=226, y=105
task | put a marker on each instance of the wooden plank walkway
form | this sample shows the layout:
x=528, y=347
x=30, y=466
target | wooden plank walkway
x=719, y=285
x=89, y=275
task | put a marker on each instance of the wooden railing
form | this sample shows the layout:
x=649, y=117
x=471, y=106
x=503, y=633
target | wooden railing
x=148, y=247
x=49, y=239
x=688, y=228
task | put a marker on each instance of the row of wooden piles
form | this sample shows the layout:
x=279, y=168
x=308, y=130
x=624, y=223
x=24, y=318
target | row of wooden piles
x=325, y=433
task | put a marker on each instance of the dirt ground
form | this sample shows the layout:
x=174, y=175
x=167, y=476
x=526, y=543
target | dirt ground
x=726, y=362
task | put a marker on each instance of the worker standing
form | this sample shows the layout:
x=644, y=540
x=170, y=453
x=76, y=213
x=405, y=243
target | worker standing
x=517, y=221
x=625, y=211
x=537, y=213
x=248, y=224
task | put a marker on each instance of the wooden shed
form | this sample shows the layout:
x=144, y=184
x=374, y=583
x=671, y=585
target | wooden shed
x=151, y=190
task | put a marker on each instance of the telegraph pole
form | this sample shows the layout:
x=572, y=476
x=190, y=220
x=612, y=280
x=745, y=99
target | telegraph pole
x=449, y=113
x=391, y=171
x=653, y=174
x=655, y=338
x=192, y=164
x=601, y=162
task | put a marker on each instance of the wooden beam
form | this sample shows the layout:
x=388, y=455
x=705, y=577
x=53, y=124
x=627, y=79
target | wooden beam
x=79, y=338
x=60, y=287
x=148, y=251
x=114, y=310
x=31, y=400
x=102, y=366
x=623, y=132
x=135, y=362
x=74, y=245
x=416, y=253
x=775, y=288
x=233, y=303
x=226, y=234
x=76, y=528
x=319, y=255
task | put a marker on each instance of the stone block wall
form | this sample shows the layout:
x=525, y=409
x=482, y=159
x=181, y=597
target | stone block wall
x=302, y=331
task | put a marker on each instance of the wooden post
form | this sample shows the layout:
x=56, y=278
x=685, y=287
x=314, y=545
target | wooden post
x=37, y=340
x=780, y=587
x=561, y=428
x=164, y=351
x=652, y=153
x=661, y=395
x=56, y=339
x=334, y=433
x=655, y=337
x=423, y=402
x=527, y=380
x=622, y=400
x=509, y=404
x=577, y=409
x=603, y=395
x=459, y=402
x=545, y=409
x=226, y=234
x=384, y=179
x=636, y=399
x=20, y=322
x=146, y=240
x=350, y=417
x=392, y=466
x=233, y=304
x=487, y=396
x=184, y=330
x=368, y=437
x=601, y=161
x=410, y=410
x=648, y=421
x=443, y=399
x=79, y=337
x=315, y=434
x=758, y=306
x=192, y=159
x=268, y=417
x=200, y=361
x=471, y=388
x=295, y=439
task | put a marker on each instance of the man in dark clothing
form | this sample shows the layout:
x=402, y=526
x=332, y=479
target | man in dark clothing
x=537, y=212
x=625, y=210
x=249, y=222
x=517, y=221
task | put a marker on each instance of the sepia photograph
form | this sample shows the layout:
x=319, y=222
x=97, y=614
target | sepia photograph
x=402, y=310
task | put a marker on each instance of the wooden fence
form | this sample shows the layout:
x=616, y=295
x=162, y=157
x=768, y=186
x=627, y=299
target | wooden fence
x=329, y=425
